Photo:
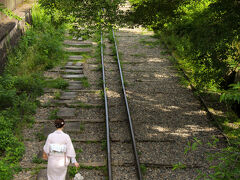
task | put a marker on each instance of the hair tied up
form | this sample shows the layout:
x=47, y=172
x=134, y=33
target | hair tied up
x=59, y=123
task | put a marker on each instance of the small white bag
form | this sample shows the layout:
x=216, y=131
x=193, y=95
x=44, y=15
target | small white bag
x=78, y=176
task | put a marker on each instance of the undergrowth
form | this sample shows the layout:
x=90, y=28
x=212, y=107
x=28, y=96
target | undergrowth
x=22, y=82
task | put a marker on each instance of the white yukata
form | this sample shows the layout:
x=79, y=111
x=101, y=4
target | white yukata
x=60, y=150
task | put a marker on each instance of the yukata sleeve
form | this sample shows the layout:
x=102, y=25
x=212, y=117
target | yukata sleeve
x=70, y=150
x=46, y=146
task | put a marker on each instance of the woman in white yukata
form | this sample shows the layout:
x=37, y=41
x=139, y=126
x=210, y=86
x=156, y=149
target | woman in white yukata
x=59, y=150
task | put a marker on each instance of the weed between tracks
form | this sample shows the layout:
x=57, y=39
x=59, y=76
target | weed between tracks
x=104, y=144
x=143, y=169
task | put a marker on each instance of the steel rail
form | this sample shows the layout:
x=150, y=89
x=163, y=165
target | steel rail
x=106, y=114
x=128, y=112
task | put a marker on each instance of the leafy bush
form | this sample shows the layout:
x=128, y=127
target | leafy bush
x=6, y=172
x=6, y=138
x=7, y=98
x=232, y=95
x=14, y=152
x=29, y=84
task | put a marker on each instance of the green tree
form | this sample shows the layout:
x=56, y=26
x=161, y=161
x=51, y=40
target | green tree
x=88, y=16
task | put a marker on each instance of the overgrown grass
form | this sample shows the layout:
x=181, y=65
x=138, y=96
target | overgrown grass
x=53, y=114
x=72, y=170
x=22, y=82
x=58, y=83
x=84, y=82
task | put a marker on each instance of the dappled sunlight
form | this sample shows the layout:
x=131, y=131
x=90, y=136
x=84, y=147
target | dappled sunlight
x=197, y=128
x=137, y=31
x=113, y=94
x=183, y=132
x=160, y=76
x=199, y=113
x=232, y=125
x=166, y=108
x=156, y=60
x=46, y=98
x=160, y=129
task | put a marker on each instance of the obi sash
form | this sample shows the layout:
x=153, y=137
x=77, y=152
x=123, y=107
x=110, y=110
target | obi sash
x=60, y=148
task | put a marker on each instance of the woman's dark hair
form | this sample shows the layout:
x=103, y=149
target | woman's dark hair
x=59, y=123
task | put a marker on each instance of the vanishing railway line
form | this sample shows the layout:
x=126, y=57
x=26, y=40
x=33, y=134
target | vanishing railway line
x=137, y=164
x=165, y=116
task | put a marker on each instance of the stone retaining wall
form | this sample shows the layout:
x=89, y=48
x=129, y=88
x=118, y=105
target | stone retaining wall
x=11, y=31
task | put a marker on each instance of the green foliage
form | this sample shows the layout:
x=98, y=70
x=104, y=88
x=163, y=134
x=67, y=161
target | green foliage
x=143, y=169
x=15, y=151
x=232, y=95
x=178, y=166
x=79, y=150
x=22, y=82
x=7, y=98
x=5, y=139
x=227, y=159
x=193, y=146
x=72, y=171
x=53, y=114
x=38, y=160
x=153, y=13
x=6, y=172
x=57, y=95
x=204, y=34
x=91, y=14
x=104, y=145
x=9, y=13
x=39, y=49
x=58, y=83
x=229, y=164
x=84, y=82
x=29, y=84
x=40, y=136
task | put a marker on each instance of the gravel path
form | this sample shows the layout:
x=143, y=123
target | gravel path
x=166, y=115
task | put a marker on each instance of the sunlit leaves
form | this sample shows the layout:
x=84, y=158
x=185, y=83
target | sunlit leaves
x=9, y=13
x=88, y=16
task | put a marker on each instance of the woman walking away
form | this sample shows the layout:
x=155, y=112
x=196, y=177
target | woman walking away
x=59, y=150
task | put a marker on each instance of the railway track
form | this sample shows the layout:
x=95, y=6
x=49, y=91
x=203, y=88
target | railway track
x=165, y=116
x=108, y=126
